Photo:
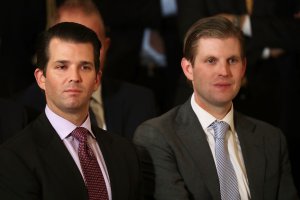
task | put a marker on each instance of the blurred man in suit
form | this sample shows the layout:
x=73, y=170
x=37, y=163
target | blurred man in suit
x=117, y=106
x=13, y=118
x=127, y=21
x=204, y=149
x=19, y=27
x=61, y=155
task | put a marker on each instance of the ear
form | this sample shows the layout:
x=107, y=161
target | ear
x=244, y=66
x=98, y=79
x=40, y=78
x=107, y=42
x=187, y=68
x=243, y=74
x=105, y=45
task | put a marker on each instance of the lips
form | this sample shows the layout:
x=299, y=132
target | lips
x=222, y=84
x=73, y=91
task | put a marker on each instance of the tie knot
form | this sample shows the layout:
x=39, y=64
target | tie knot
x=220, y=129
x=80, y=133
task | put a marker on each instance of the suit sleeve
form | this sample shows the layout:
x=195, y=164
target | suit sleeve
x=16, y=180
x=161, y=178
x=286, y=185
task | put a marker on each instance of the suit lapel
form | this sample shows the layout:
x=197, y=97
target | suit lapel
x=58, y=160
x=110, y=161
x=194, y=139
x=253, y=154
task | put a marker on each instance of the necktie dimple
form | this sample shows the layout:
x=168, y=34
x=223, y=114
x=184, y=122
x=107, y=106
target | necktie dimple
x=227, y=177
x=93, y=176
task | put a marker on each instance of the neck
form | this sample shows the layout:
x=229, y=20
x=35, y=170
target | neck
x=77, y=117
x=219, y=112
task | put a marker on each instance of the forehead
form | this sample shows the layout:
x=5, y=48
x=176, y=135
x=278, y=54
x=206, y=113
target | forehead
x=230, y=45
x=61, y=49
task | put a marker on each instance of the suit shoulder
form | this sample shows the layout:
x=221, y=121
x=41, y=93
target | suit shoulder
x=258, y=126
x=156, y=127
x=22, y=146
x=166, y=118
x=39, y=132
x=256, y=121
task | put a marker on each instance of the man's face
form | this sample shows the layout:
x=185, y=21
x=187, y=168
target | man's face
x=217, y=72
x=71, y=76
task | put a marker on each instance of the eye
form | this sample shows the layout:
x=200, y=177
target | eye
x=232, y=61
x=211, y=60
x=61, y=67
x=86, y=67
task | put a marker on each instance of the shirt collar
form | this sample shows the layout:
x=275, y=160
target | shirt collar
x=206, y=119
x=64, y=127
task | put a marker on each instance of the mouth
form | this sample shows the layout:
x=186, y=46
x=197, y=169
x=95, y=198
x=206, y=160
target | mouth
x=222, y=85
x=73, y=91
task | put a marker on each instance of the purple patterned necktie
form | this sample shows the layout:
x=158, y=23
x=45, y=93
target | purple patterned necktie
x=93, y=176
x=227, y=177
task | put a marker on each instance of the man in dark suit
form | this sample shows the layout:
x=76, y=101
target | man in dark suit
x=123, y=105
x=13, y=118
x=61, y=155
x=182, y=154
x=271, y=31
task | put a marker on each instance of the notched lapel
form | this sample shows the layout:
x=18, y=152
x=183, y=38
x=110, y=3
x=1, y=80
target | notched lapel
x=252, y=146
x=108, y=155
x=194, y=139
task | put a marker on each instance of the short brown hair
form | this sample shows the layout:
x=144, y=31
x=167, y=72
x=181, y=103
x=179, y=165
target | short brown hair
x=210, y=27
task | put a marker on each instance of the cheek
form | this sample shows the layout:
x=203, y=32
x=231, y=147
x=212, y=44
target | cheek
x=50, y=88
x=53, y=84
x=200, y=75
x=94, y=84
x=198, y=80
x=239, y=73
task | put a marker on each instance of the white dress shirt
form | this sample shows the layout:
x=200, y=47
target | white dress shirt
x=234, y=147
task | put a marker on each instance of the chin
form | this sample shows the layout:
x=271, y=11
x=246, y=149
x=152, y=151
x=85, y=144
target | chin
x=73, y=105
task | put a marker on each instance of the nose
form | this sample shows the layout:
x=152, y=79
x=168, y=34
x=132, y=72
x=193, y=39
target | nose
x=224, y=69
x=75, y=75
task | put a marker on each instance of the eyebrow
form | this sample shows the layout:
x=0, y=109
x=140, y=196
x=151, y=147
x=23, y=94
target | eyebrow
x=62, y=61
x=86, y=63
x=81, y=62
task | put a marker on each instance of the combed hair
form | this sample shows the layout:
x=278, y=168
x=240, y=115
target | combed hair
x=66, y=31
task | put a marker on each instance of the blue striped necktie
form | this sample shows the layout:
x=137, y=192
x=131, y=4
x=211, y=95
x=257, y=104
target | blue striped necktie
x=227, y=177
